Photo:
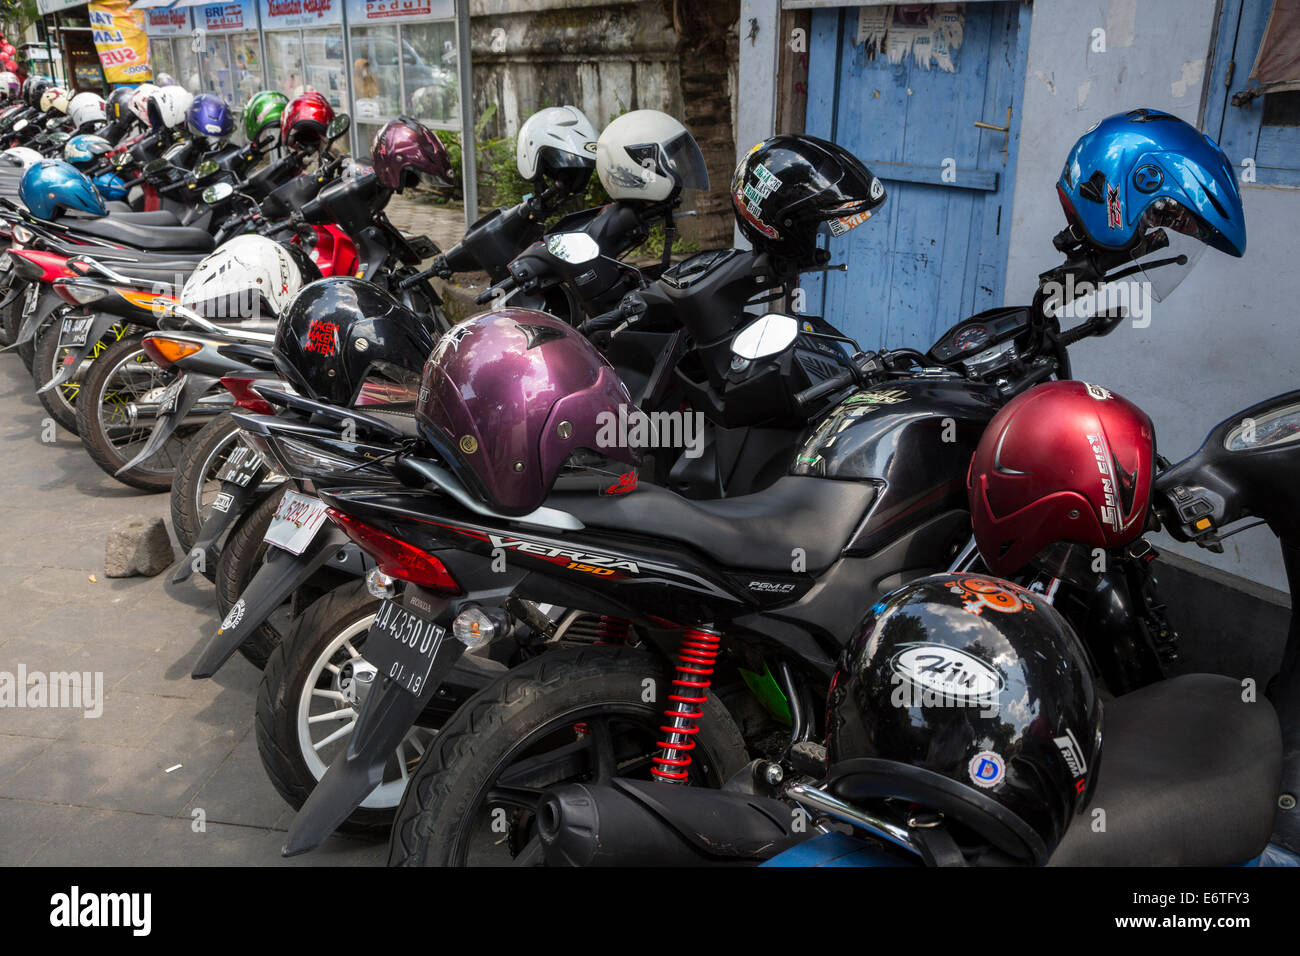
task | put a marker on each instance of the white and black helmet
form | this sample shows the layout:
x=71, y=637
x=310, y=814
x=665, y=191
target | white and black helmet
x=167, y=107
x=648, y=155
x=247, y=278
x=86, y=109
x=557, y=143
x=20, y=156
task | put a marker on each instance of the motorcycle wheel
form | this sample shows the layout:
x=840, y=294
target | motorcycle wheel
x=239, y=561
x=122, y=374
x=194, y=486
x=60, y=402
x=304, y=718
x=537, y=711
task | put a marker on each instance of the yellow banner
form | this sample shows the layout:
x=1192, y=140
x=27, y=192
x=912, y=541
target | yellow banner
x=120, y=41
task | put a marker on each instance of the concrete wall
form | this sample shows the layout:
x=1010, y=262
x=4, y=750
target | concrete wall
x=1225, y=338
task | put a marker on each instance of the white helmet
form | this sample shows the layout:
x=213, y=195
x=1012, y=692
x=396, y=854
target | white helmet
x=168, y=105
x=20, y=156
x=55, y=98
x=86, y=108
x=558, y=142
x=140, y=101
x=648, y=155
x=249, y=277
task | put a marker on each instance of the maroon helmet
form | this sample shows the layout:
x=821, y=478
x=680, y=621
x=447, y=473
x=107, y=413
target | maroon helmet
x=406, y=151
x=506, y=398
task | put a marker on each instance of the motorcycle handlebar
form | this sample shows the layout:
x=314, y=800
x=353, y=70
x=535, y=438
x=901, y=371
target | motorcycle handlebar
x=495, y=291
x=833, y=384
x=439, y=268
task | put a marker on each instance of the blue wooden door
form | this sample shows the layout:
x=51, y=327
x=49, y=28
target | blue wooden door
x=936, y=251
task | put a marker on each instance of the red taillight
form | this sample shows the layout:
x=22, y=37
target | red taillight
x=245, y=397
x=396, y=558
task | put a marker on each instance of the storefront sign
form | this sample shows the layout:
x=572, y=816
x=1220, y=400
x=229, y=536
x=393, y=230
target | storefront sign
x=227, y=17
x=159, y=22
x=387, y=11
x=277, y=14
x=120, y=41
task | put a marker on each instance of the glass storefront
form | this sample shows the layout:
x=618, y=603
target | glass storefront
x=169, y=40
x=304, y=48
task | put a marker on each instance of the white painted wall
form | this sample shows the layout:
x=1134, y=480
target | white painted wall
x=1226, y=337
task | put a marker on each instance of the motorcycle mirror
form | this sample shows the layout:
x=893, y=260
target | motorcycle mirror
x=339, y=125
x=156, y=166
x=220, y=191
x=769, y=335
x=59, y=137
x=206, y=168
x=574, y=248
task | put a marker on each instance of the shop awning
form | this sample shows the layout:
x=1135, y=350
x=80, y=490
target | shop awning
x=150, y=4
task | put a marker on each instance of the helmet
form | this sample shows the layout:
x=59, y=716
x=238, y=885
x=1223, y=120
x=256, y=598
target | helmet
x=51, y=186
x=209, y=116
x=85, y=148
x=787, y=186
x=340, y=331
x=118, y=108
x=246, y=278
x=405, y=151
x=168, y=107
x=10, y=86
x=165, y=79
x=1148, y=184
x=972, y=697
x=305, y=119
x=557, y=143
x=139, y=101
x=54, y=98
x=34, y=88
x=1065, y=461
x=507, y=396
x=22, y=156
x=262, y=111
x=110, y=185
x=648, y=155
x=86, y=109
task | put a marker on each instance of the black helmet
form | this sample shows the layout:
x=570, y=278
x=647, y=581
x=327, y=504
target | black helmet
x=971, y=697
x=34, y=88
x=787, y=186
x=118, y=106
x=341, y=331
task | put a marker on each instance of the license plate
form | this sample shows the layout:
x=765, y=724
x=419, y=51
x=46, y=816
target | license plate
x=168, y=396
x=75, y=331
x=295, y=522
x=402, y=644
x=241, y=466
x=29, y=301
x=6, y=263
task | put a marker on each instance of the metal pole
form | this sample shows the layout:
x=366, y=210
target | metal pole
x=465, y=74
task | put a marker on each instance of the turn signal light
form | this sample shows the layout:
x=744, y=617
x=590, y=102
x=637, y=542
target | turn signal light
x=167, y=351
x=395, y=557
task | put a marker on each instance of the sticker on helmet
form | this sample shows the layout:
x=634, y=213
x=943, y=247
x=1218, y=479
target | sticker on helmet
x=1110, y=504
x=842, y=225
x=322, y=337
x=1114, y=211
x=468, y=444
x=952, y=673
x=981, y=594
x=1071, y=753
x=986, y=769
x=760, y=184
x=877, y=188
x=1097, y=392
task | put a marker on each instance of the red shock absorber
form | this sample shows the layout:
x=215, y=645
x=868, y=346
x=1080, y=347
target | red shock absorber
x=613, y=630
x=695, y=659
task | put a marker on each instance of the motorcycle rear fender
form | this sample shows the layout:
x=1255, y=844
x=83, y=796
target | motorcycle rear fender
x=195, y=387
x=99, y=327
x=214, y=528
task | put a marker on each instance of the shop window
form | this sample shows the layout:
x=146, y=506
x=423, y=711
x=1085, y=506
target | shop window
x=284, y=62
x=160, y=56
x=429, y=72
x=326, y=72
x=247, y=52
x=376, y=79
x=1253, y=92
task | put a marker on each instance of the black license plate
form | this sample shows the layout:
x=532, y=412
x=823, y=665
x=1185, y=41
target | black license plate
x=402, y=645
x=241, y=466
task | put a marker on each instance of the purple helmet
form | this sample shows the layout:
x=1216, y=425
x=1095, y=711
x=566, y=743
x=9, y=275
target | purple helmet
x=406, y=151
x=506, y=398
x=209, y=116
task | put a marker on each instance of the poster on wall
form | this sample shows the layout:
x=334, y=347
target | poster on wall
x=285, y=14
x=227, y=17
x=159, y=22
x=120, y=41
x=388, y=11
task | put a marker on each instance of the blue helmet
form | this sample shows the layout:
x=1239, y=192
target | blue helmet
x=209, y=116
x=51, y=186
x=84, y=149
x=110, y=185
x=1147, y=183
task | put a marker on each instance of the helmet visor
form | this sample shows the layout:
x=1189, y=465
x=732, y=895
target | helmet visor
x=682, y=155
x=1170, y=241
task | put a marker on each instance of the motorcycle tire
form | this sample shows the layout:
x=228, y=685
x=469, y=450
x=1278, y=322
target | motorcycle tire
x=205, y=453
x=539, y=700
x=239, y=561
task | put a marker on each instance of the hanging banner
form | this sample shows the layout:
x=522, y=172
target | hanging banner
x=120, y=41
x=278, y=14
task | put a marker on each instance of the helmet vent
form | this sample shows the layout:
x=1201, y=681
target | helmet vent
x=1095, y=187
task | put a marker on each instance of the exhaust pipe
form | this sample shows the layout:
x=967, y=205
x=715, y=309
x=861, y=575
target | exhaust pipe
x=650, y=823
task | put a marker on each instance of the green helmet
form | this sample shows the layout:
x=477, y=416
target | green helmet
x=262, y=111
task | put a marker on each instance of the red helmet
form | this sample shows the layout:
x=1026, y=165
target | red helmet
x=305, y=120
x=1065, y=461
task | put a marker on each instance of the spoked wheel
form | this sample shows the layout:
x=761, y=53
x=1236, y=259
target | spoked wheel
x=116, y=409
x=569, y=716
x=60, y=402
x=312, y=692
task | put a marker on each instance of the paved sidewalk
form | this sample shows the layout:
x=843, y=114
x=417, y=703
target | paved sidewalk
x=123, y=788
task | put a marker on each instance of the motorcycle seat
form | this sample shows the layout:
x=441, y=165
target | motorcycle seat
x=756, y=532
x=1189, y=776
x=171, y=238
x=158, y=217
